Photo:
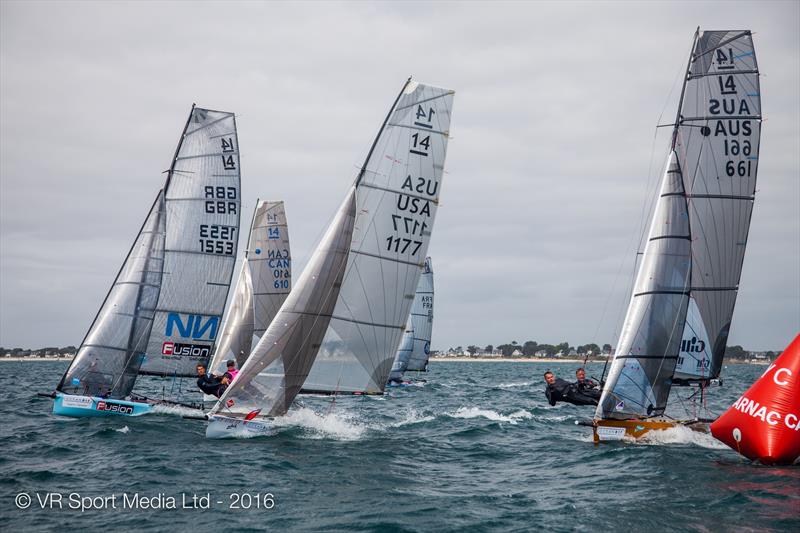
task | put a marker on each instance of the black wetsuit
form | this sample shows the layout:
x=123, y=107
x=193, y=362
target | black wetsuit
x=564, y=391
x=587, y=387
x=210, y=385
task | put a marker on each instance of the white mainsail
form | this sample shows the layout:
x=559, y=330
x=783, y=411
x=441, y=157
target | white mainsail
x=263, y=285
x=396, y=200
x=718, y=140
x=677, y=323
x=202, y=201
x=421, y=319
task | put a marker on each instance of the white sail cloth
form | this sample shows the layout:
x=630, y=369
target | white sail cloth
x=263, y=285
x=421, y=319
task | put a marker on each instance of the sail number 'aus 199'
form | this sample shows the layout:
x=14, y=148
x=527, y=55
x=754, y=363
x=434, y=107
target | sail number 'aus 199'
x=728, y=101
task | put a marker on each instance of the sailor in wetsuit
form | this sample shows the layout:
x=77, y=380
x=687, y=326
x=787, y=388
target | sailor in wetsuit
x=211, y=384
x=559, y=390
x=585, y=385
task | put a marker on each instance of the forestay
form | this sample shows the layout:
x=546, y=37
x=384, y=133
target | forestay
x=397, y=193
x=638, y=383
x=717, y=142
x=422, y=320
x=263, y=285
x=108, y=359
x=274, y=373
x=202, y=229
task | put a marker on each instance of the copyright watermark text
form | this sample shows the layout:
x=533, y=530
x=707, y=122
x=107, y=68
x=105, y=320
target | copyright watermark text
x=75, y=501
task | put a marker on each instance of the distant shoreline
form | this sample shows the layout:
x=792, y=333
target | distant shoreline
x=440, y=360
x=37, y=358
x=551, y=360
x=508, y=360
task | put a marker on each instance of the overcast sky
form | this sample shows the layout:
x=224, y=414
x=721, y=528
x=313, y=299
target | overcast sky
x=549, y=165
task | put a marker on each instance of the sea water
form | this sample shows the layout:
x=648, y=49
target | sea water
x=474, y=447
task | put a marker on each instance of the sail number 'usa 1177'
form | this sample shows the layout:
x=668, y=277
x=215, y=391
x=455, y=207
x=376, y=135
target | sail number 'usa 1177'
x=411, y=223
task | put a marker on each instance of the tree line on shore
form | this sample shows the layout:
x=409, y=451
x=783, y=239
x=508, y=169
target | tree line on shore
x=564, y=349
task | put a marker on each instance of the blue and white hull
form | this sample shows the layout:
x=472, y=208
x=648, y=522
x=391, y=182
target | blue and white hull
x=226, y=427
x=89, y=406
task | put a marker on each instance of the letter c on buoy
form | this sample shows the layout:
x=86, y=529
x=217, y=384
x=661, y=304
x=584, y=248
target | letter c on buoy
x=791, y=425
x=775, y=377
x=737, y=435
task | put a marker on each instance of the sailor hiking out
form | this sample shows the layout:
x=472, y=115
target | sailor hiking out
x=560, y=390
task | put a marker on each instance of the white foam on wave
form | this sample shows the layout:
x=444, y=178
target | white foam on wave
x=124, y=429
x=412, y=417
x=514, y=385
x=176, y=410
x=336, y=425
x=680, y=435
x=476, y=412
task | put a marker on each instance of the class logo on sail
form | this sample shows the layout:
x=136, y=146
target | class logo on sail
x=195, y=327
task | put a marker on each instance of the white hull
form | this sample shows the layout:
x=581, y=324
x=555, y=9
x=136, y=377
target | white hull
x=225, y=427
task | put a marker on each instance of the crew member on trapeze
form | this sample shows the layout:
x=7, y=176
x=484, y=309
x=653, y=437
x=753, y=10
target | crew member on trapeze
x=211, y=384
x=560, y=390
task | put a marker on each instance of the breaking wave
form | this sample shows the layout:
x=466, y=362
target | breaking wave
x=476, y=412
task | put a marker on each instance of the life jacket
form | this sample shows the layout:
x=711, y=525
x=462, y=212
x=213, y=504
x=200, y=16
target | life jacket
x=232, y=373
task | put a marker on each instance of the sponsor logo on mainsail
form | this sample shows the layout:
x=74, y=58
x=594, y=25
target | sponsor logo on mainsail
x=190, y=350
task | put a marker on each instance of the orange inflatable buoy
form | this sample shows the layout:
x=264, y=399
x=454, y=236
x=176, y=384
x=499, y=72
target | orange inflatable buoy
x=764, y=423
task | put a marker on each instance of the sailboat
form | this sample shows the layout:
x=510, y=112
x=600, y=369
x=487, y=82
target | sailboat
x=357, y=283
x=162, y=313
x=264, y=282
x=676, y=328
x=415, y=348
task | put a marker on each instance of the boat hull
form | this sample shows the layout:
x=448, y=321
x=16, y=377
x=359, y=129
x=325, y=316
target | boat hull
x=611, y=430
x=226, y=427
x=94, y=406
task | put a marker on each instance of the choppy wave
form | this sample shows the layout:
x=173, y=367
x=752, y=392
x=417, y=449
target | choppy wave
x=681, y=435
x=477, y=412
x=335, y=424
